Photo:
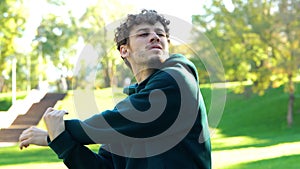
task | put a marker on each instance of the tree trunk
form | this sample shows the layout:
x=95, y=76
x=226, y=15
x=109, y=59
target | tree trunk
x=1, y=83
x=291, y=101
x=290, y=109
x=107, y=79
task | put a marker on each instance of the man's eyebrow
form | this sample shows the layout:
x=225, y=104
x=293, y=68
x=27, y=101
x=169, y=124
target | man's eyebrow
x=147, y=30
x=159, y=30
x=142, y=30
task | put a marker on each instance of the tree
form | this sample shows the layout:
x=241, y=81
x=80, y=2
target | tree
x=12, y=21
x=257, y=41
x=94, y=31
x=288, y=49
x=55, y=39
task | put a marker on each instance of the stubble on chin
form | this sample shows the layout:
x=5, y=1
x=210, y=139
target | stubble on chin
x=156, y=61
x=151, y=60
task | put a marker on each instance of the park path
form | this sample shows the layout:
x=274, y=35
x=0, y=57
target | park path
x=30, y=118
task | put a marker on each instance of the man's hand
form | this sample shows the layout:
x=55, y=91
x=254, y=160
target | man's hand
x=54, y=122
x=33, y=135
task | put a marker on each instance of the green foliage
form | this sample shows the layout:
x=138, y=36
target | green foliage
x=256, y=41
x=55, y=43
x=12, y=21
x=96, y=30
x=56, y=38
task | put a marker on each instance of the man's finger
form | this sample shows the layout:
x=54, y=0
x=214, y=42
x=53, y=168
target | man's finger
x=23, y=144
x=49, y=109
x=26, y=133
x=56, y=113
x=64, y=112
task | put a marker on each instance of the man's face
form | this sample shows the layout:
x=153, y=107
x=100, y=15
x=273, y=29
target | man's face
x=148, y=45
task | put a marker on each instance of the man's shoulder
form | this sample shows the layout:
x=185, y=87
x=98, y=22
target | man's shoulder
x=179, y=63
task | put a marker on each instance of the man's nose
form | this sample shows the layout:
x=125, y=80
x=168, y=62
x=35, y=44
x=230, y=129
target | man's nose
x=154, y=37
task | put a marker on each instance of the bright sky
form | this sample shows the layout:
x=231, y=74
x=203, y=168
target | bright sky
x=181, y=9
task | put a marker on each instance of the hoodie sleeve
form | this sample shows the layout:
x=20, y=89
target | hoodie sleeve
x=77, y=156
x=169, y=93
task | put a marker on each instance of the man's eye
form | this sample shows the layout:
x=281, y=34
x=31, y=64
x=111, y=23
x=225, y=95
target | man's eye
x=147, y=34
x=161, y=34
x=144, y=34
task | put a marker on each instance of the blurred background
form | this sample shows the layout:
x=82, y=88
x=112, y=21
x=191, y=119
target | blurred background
x=257, y=42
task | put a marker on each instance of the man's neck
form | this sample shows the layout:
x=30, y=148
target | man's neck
x=142, y=74
x=143, y=71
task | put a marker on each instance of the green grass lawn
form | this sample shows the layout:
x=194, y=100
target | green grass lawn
x=34, y=157
x=252, y=134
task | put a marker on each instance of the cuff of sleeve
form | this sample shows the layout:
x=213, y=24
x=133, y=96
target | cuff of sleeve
x=62, y=144
x=48, y=139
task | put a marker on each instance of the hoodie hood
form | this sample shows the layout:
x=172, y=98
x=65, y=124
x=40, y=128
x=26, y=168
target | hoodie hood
x=173, y=60
x=181, y=59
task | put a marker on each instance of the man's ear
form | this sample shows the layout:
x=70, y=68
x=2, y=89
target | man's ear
x=124, y=51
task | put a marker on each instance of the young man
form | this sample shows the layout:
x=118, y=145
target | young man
x=161, y=124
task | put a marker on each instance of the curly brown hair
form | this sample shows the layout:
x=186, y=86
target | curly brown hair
x=146, y=16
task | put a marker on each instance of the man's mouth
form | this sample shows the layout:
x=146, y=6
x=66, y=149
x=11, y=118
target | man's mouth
x=155, y=47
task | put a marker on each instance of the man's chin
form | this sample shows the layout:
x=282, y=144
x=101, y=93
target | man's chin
x=155, y=61
x=159, y=54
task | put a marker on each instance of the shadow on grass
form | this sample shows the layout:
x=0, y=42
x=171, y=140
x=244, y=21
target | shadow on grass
x=273, y=163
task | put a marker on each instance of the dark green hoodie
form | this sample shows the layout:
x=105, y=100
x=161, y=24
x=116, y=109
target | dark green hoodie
x=162, y=124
